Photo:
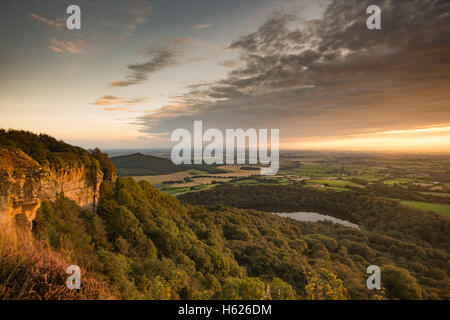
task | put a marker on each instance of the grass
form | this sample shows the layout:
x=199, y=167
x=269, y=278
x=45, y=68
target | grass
x=443, y=209
x=397, y=181
x=197, y=172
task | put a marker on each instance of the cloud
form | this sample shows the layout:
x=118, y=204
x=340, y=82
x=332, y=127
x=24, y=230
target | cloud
x=57, y=23
x=183, y=41
x=138, y=11
x=330, y=76
x=168, y=55
x=189, y=42
x=203, y=26
x=230, y=63
x=138, y=73
x=107, y=29
x=440, y=128
x=63, y=46
x=116, y=109
x=108, y=100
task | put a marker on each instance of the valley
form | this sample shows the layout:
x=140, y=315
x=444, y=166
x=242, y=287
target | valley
x=421, y=181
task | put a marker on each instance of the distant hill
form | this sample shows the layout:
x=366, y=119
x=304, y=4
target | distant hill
x=138, y=164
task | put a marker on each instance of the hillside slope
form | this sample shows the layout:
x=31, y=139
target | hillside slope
x=148, y=245
x=139, y=164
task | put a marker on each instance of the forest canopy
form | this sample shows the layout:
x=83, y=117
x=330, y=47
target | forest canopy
x=146, y=244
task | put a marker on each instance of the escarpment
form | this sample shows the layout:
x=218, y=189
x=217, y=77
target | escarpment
x=26, y=182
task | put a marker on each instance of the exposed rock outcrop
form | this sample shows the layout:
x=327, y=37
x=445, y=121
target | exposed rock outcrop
x=24, y=184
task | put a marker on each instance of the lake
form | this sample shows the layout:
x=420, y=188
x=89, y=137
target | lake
x=314, y=217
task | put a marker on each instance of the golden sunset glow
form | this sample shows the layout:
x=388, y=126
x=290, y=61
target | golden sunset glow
x=130, y=76
x=432, y=139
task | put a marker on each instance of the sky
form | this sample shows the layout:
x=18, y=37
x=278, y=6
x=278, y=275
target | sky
x=137, y=70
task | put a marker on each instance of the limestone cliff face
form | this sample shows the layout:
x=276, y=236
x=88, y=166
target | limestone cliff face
x=24, y=184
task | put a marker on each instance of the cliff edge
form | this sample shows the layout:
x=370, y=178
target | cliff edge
x=35, y=168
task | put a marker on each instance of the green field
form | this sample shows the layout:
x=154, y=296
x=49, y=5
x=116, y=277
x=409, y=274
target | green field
x=246, y=181
x=176, y=191
x=397, y=181
x=443, y=209
x=202, y=186
x=179, y=190
x=362, y=177
x=308, y=170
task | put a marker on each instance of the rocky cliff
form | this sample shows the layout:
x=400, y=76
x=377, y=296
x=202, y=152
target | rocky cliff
x=25, y=183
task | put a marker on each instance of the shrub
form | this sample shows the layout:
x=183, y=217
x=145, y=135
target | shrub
x=36, y=273
x=399, y=284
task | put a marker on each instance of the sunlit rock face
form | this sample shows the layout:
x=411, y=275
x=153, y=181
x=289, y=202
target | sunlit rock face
x=24, y=184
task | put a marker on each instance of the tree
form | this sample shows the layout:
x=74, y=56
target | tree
x=399, y=284
x=324, y=285
x=123, y=223
x=242, y=289
x=280, y=290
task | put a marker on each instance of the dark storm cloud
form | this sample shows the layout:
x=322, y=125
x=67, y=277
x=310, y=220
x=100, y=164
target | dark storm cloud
x=331, y=76
x=159, y=59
